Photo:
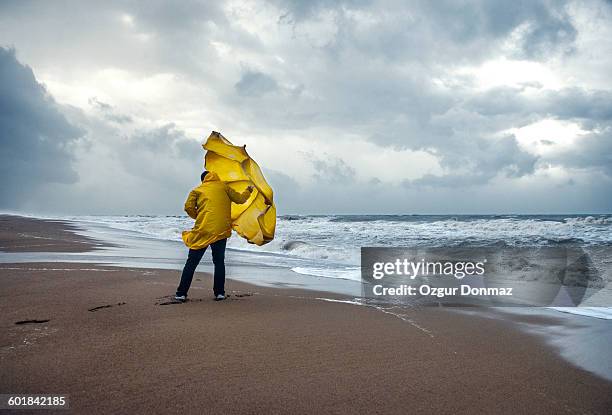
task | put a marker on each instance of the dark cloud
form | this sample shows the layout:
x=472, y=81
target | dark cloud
x=593, y=152
x=460, y=135
x=254, y=84
x=36, y=138
x=44, y=145
x=332, y=170
x=288, y=194
x=148, y=170
x=577, y=103
x=479, y=162
x=296, y=11
x=442, y=30
x=548, y=33
x=160, y=155
x=543, y=27
x=109, y=112
x=547, y=26
x=186, y=16
x=571, y=103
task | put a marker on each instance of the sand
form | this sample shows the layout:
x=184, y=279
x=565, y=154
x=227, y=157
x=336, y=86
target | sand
x=112, y=344
x=22, y=234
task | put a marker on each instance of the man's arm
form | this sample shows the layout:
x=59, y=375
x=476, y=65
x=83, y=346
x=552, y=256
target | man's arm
x=239, y=198
x=191, y=206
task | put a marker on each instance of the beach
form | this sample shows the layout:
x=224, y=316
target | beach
x=110, y=339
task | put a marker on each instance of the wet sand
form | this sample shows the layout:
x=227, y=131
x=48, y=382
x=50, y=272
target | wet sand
x=22, y=234
x=107, y=338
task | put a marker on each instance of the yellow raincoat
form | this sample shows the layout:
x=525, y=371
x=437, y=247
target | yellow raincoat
x=210, y=205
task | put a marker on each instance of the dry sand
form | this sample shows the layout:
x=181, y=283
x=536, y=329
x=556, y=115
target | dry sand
x=113, y=347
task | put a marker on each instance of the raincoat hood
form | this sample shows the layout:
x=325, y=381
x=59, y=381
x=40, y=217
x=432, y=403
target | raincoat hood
x=211, y=176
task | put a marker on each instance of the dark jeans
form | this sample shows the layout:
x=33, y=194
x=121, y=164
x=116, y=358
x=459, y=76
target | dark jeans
x=193, y=259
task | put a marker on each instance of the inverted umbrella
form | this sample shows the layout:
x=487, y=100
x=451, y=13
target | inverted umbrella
x=254, y=220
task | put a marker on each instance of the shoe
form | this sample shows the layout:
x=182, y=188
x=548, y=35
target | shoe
x=180, y=298
x=219, y=297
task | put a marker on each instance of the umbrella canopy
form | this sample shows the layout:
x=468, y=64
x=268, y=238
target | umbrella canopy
x=254, y=220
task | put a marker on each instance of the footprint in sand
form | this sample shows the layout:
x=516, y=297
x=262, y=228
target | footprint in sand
x=33, y=321
x=190, y=300
x=104, y=306
x=171, y=299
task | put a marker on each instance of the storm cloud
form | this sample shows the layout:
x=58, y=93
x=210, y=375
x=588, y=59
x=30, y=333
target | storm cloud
x=355, y=106
x=35, y=136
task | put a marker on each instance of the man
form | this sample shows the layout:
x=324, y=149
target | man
x=210, y=205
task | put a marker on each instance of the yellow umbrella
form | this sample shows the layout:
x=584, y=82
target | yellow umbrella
x=254, y=220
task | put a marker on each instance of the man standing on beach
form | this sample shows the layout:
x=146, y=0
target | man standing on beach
x=210, y=205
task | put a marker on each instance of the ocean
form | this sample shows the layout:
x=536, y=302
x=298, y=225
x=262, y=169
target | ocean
x=329, y=246
x=321, y=251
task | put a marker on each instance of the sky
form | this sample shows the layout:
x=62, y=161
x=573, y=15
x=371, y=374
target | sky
x=349, y=107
